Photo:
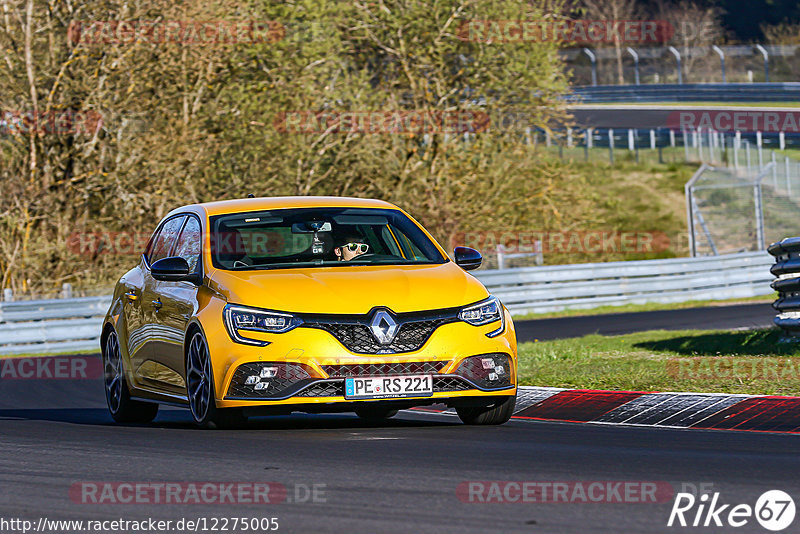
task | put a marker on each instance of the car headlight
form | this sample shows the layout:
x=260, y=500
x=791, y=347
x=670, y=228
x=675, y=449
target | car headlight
x=485, y=312
x=240, y=319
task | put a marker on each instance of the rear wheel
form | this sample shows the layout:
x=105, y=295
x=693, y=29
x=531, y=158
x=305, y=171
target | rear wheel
x=120, y=405
x=375, y=414
x=200, y=389
x=495, y=414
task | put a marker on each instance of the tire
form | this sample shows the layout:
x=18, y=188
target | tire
x=374, y=414
x=200, y=389
x=495, y=414
x=122, y=408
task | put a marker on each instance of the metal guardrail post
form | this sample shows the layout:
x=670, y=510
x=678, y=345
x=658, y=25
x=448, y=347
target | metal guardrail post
x=690, y=202
x=593, y=59
x=611, y=145
x=766, y=61
x=8, y=295
x=678, y=59
x=721, y=54
x=635, y=57
x=760, y=244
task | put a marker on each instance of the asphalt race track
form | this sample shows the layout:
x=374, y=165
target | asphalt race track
x=399, y=477
x=739, y=316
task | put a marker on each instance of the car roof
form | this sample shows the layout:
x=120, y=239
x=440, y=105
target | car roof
x=242, y=205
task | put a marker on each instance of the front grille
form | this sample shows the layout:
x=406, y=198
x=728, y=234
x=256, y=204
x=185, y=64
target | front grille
x=449, y=383
x=383, y=369
x=356, y=336
x=332, y=388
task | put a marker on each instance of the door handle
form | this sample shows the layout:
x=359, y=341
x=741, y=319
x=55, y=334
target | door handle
x=131, y=296
x=157, y=304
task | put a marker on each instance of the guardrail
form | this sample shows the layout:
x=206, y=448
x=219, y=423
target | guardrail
x=62, y=325
x=585, y=286
x=688, y=92
x=787, y=284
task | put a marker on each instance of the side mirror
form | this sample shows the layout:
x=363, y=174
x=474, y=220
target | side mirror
x=467, y=258
x=175, y=269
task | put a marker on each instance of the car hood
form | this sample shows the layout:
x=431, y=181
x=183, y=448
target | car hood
x=351, y=290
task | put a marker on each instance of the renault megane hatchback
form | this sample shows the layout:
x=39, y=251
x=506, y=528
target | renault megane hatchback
x=272, y=305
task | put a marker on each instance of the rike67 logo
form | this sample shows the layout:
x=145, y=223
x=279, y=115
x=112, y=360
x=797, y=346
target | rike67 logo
x=774, y=510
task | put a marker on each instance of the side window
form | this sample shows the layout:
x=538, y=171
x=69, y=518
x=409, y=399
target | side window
x=188, y=246
x=162, y=244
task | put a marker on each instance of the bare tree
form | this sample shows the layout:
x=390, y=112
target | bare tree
x=613, y=11
x=695, y=27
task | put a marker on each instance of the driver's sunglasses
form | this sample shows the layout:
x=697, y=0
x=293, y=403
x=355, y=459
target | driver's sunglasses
x=361, y=248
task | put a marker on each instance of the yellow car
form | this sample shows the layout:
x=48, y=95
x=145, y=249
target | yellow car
x=265, y=306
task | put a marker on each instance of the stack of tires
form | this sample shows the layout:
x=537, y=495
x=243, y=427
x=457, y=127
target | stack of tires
x=787, y=284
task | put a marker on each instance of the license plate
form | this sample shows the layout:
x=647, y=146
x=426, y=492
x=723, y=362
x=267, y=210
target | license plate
x=380, y=387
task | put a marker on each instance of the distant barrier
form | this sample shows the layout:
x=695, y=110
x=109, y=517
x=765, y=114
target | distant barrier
x=689, y=92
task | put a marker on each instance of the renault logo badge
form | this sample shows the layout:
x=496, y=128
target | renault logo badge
x=383, y=327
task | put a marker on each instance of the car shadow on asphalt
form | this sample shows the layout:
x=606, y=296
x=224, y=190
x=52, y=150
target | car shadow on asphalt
x=180, y=419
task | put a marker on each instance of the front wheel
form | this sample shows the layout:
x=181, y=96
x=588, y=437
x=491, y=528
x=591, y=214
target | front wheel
x=495, y=414
x=122, y=408
x=200, y=389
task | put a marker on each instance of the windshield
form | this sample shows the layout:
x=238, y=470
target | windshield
x=313, y=237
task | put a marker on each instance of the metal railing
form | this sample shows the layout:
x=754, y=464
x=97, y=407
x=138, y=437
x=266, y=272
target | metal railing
x=62, y=325
x=694, y=92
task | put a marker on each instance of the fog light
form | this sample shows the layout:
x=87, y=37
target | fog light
x=487, y=363
x=492, y=377
x=269, y=372
x=262, y=385
x=500, y=370
x=251, y=380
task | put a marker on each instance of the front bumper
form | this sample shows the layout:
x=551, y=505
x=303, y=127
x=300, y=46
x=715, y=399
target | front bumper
x=320, y=358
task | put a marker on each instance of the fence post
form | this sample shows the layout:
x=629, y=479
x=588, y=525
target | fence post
x=747, y=152
x=66, y=291
x=593, y=59
x=759, y=147
x=652, y=139
x=735, y=154
x=631, y=144
x=672, y=138
x=8, y=295
x=782, y=140
x=635, y=57
x=678, y=59
x=766, y=61
x=611, y=145
x=569, y=137
x=589, y=138
x=685, y=146
x=500, y=258
x=774, y=171
x=721, y=54
x=788, y=181
x=700, y=146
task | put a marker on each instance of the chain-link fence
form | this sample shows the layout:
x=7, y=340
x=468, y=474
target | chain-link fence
x=743, y=208
x=702, y=64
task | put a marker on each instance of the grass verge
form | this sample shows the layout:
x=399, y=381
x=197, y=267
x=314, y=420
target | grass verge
x=750, y=362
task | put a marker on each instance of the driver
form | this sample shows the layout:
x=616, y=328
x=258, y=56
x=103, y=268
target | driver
x=349, y=247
